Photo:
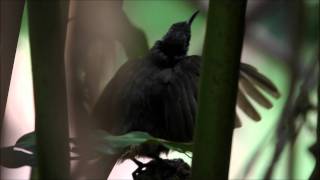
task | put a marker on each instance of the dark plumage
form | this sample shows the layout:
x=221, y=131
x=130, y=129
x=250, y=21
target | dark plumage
x=158, y=93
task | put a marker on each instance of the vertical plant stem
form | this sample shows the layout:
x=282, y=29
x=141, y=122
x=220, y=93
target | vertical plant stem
x=90, y=59
x=218, y=89
x=286, y=127
x=47, y=23
x=296, y=43
x=317, y=167
x=94, y=28
x=10, y=21
x=316, y=170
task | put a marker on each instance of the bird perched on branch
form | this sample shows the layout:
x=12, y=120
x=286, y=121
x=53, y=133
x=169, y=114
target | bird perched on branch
x=157, y=93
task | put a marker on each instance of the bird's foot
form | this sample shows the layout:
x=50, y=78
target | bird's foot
x=140, y=168
x=163, y=169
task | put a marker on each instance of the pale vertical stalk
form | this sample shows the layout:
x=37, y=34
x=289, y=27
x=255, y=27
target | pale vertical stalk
x=10, y=22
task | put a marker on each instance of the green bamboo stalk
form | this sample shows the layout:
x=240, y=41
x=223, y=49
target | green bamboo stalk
x=218, y=89
x=47, y=23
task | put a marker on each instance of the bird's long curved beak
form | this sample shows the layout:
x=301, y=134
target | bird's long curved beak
x=192, y=17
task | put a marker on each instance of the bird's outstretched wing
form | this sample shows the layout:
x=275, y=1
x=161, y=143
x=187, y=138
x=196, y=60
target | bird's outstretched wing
x=252, y=84
x=179, y=99
x=163, y=102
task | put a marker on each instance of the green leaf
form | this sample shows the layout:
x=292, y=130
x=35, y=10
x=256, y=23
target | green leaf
x=176, y=146
x=106, y=144
x=20, y=154
x=13, y=158
x=27, y=141
x=111, y=144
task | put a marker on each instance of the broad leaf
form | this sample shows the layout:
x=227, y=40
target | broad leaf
x=20, y=154
x=27, y=141
x=110, y=144
x=14, y=158
x=23, y=153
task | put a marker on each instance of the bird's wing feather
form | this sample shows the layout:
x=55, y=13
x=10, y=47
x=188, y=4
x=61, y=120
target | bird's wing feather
x=249, y=72
x=251, y=84
x=107, y=111
x=181, y=104
x=141, y=93
x=171, y=94
x=252, y=91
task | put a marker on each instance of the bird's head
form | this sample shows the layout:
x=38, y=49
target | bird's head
x=175, y=42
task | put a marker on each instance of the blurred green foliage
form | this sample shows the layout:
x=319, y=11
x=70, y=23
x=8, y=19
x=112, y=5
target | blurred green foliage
x=155, y=18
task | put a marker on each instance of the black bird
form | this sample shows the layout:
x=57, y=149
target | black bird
x=157, y=93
